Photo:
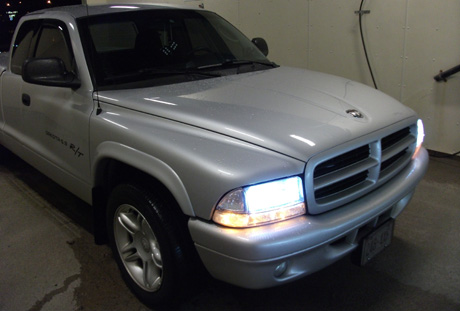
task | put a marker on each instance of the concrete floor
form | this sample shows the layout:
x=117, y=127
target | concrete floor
x=48, y=260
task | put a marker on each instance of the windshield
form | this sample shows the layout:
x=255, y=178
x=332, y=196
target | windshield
x=157, y=47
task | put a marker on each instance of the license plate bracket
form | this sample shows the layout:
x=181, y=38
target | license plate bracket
x=376, y=241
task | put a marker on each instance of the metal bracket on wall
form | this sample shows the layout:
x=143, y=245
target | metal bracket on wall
x=443, y=75
x=362, y=12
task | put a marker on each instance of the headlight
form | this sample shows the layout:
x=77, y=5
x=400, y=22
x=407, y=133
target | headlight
x=261, y=204
x=420, y=136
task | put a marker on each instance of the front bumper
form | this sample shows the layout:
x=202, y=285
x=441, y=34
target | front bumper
x=274, y=254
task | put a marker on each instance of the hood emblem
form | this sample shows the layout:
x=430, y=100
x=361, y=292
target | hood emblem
x=355, y=113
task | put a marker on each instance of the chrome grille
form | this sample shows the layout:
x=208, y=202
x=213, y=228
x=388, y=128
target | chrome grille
x=337, y=178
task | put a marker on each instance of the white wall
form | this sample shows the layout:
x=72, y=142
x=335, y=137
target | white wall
x=408, y=41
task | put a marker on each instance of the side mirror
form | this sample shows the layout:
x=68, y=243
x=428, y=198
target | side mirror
x=48, y=72
x=261, y=44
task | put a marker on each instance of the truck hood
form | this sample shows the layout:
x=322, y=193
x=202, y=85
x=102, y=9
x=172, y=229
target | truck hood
x=292, y=111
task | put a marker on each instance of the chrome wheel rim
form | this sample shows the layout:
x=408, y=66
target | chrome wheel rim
x=138, y=248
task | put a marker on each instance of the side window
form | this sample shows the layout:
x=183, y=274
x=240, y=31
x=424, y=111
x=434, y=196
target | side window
x=53, y=42
x=23, y=46
x=42, y=39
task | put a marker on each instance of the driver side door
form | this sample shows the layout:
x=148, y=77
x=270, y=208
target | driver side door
x=48, y=126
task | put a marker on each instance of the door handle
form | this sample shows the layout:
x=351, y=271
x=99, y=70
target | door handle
x=26, y=99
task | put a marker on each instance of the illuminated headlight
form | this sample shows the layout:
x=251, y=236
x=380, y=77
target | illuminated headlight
x=420, y=136
x=261, y=204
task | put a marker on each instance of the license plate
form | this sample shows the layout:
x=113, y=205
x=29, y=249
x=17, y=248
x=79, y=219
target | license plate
x=375, y=242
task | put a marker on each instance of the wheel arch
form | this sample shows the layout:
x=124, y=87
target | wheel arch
x=116, y=163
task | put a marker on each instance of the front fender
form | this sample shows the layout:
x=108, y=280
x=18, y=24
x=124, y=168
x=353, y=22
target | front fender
x=196, y=165
x=145, y=163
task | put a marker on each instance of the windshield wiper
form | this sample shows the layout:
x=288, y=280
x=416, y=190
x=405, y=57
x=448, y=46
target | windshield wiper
x=156, y=72
x=167, y=72
x=239, y=62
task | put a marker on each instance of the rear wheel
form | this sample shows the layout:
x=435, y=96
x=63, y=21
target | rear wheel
x=148, y=242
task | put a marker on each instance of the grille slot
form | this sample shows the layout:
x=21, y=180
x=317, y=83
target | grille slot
x=342, y=161
x=395, y=138
x=341, y=185
x=397, y=150
x=392, y=160
x=344, y=177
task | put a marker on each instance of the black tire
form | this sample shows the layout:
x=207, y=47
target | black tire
x=149, y=242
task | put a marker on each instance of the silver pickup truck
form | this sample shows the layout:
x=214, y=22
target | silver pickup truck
x=193, y=147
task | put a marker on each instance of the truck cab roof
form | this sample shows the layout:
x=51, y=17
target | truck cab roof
x=78, y=11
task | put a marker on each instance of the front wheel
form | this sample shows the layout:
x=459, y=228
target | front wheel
x=148, y=242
